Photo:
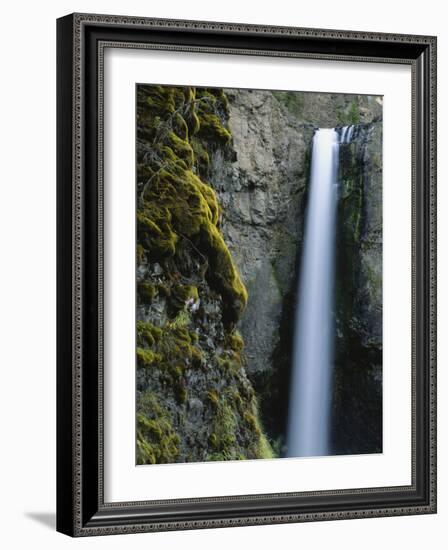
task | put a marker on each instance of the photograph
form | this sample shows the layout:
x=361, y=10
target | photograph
x=259, y=254
x=246, y=272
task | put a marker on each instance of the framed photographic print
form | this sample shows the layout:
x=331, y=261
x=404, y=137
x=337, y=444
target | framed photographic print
x=246, y=274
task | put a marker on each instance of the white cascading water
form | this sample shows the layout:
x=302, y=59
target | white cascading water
x=347, y=134
x=310, y=397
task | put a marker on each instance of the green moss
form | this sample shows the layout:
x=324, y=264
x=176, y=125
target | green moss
x=178, y=226
x=148, y=334
x=252, y=422
x=170, y=352
x=224, y=275
x=229, y=362
x=202, y=158
x=213, y=440
x=211, y=128
x=182, y=319
x=194, y=123
x=180, y=148
x=181, y=393
x=236, y=399
x=224, y=427
x=260, y=447
x=236, y=431
x=164, y=290
x=157, y=441
x=174, y=201
x=181, y=127
x=247, y=392
x=146, y=292
x=263, y=449
x=179, y=296
x=213, y=397
x=175, y=343
x=140, y=254
x=235, y=341
x=146, y=357
x=157, y=238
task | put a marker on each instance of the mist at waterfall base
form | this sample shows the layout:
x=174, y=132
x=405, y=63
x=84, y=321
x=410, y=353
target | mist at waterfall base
x=308, y=430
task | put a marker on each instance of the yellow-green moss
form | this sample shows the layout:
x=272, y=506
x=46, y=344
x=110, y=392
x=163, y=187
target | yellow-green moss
x=174, y=201
x=211, y=128
x=146, y=292
x=236, y=399
x=164, y=290
x=161, y=99
x=140, y=253
x=236, y=430
x=263, y=449
x=213, y=397
x=224, y=427
x=178, y=212
x=180, y=294
x=229, y=363
x=182, y=319
x=181, y=148
x=211, y=101
x=252, y=422
x=156, y=237
x=202, y=158
x=148, y=334
x=260, y=447
x=171, y=348
x=213, y=440
x=146, y=357
x=224, y=275
x=181, y=393
x=235, y=341
x=157, y=441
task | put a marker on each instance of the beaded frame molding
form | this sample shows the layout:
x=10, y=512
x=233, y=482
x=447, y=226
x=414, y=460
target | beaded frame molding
x=81, y=40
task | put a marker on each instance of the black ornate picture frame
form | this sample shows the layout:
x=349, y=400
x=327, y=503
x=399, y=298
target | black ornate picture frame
x=81, y=507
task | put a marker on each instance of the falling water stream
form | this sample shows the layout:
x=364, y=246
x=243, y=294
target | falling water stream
x=310, y=397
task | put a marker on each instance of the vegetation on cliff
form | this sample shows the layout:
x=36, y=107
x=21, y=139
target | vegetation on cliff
x=194, y=400
x=174, y=203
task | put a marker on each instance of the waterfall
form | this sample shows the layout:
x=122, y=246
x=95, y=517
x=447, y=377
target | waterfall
x=347, y=134
x=310, y=394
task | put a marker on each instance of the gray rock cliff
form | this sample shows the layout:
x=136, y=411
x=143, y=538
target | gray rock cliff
x=263, y=191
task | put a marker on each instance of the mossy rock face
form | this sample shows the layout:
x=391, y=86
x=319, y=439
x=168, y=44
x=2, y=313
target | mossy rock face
x=237, y=433
x=194, y=401
x=174, y=203
x=146, y=291
x=157, y=442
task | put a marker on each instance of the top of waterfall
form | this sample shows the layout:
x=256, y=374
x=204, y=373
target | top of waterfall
x=346, y=134
x=330, y=133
